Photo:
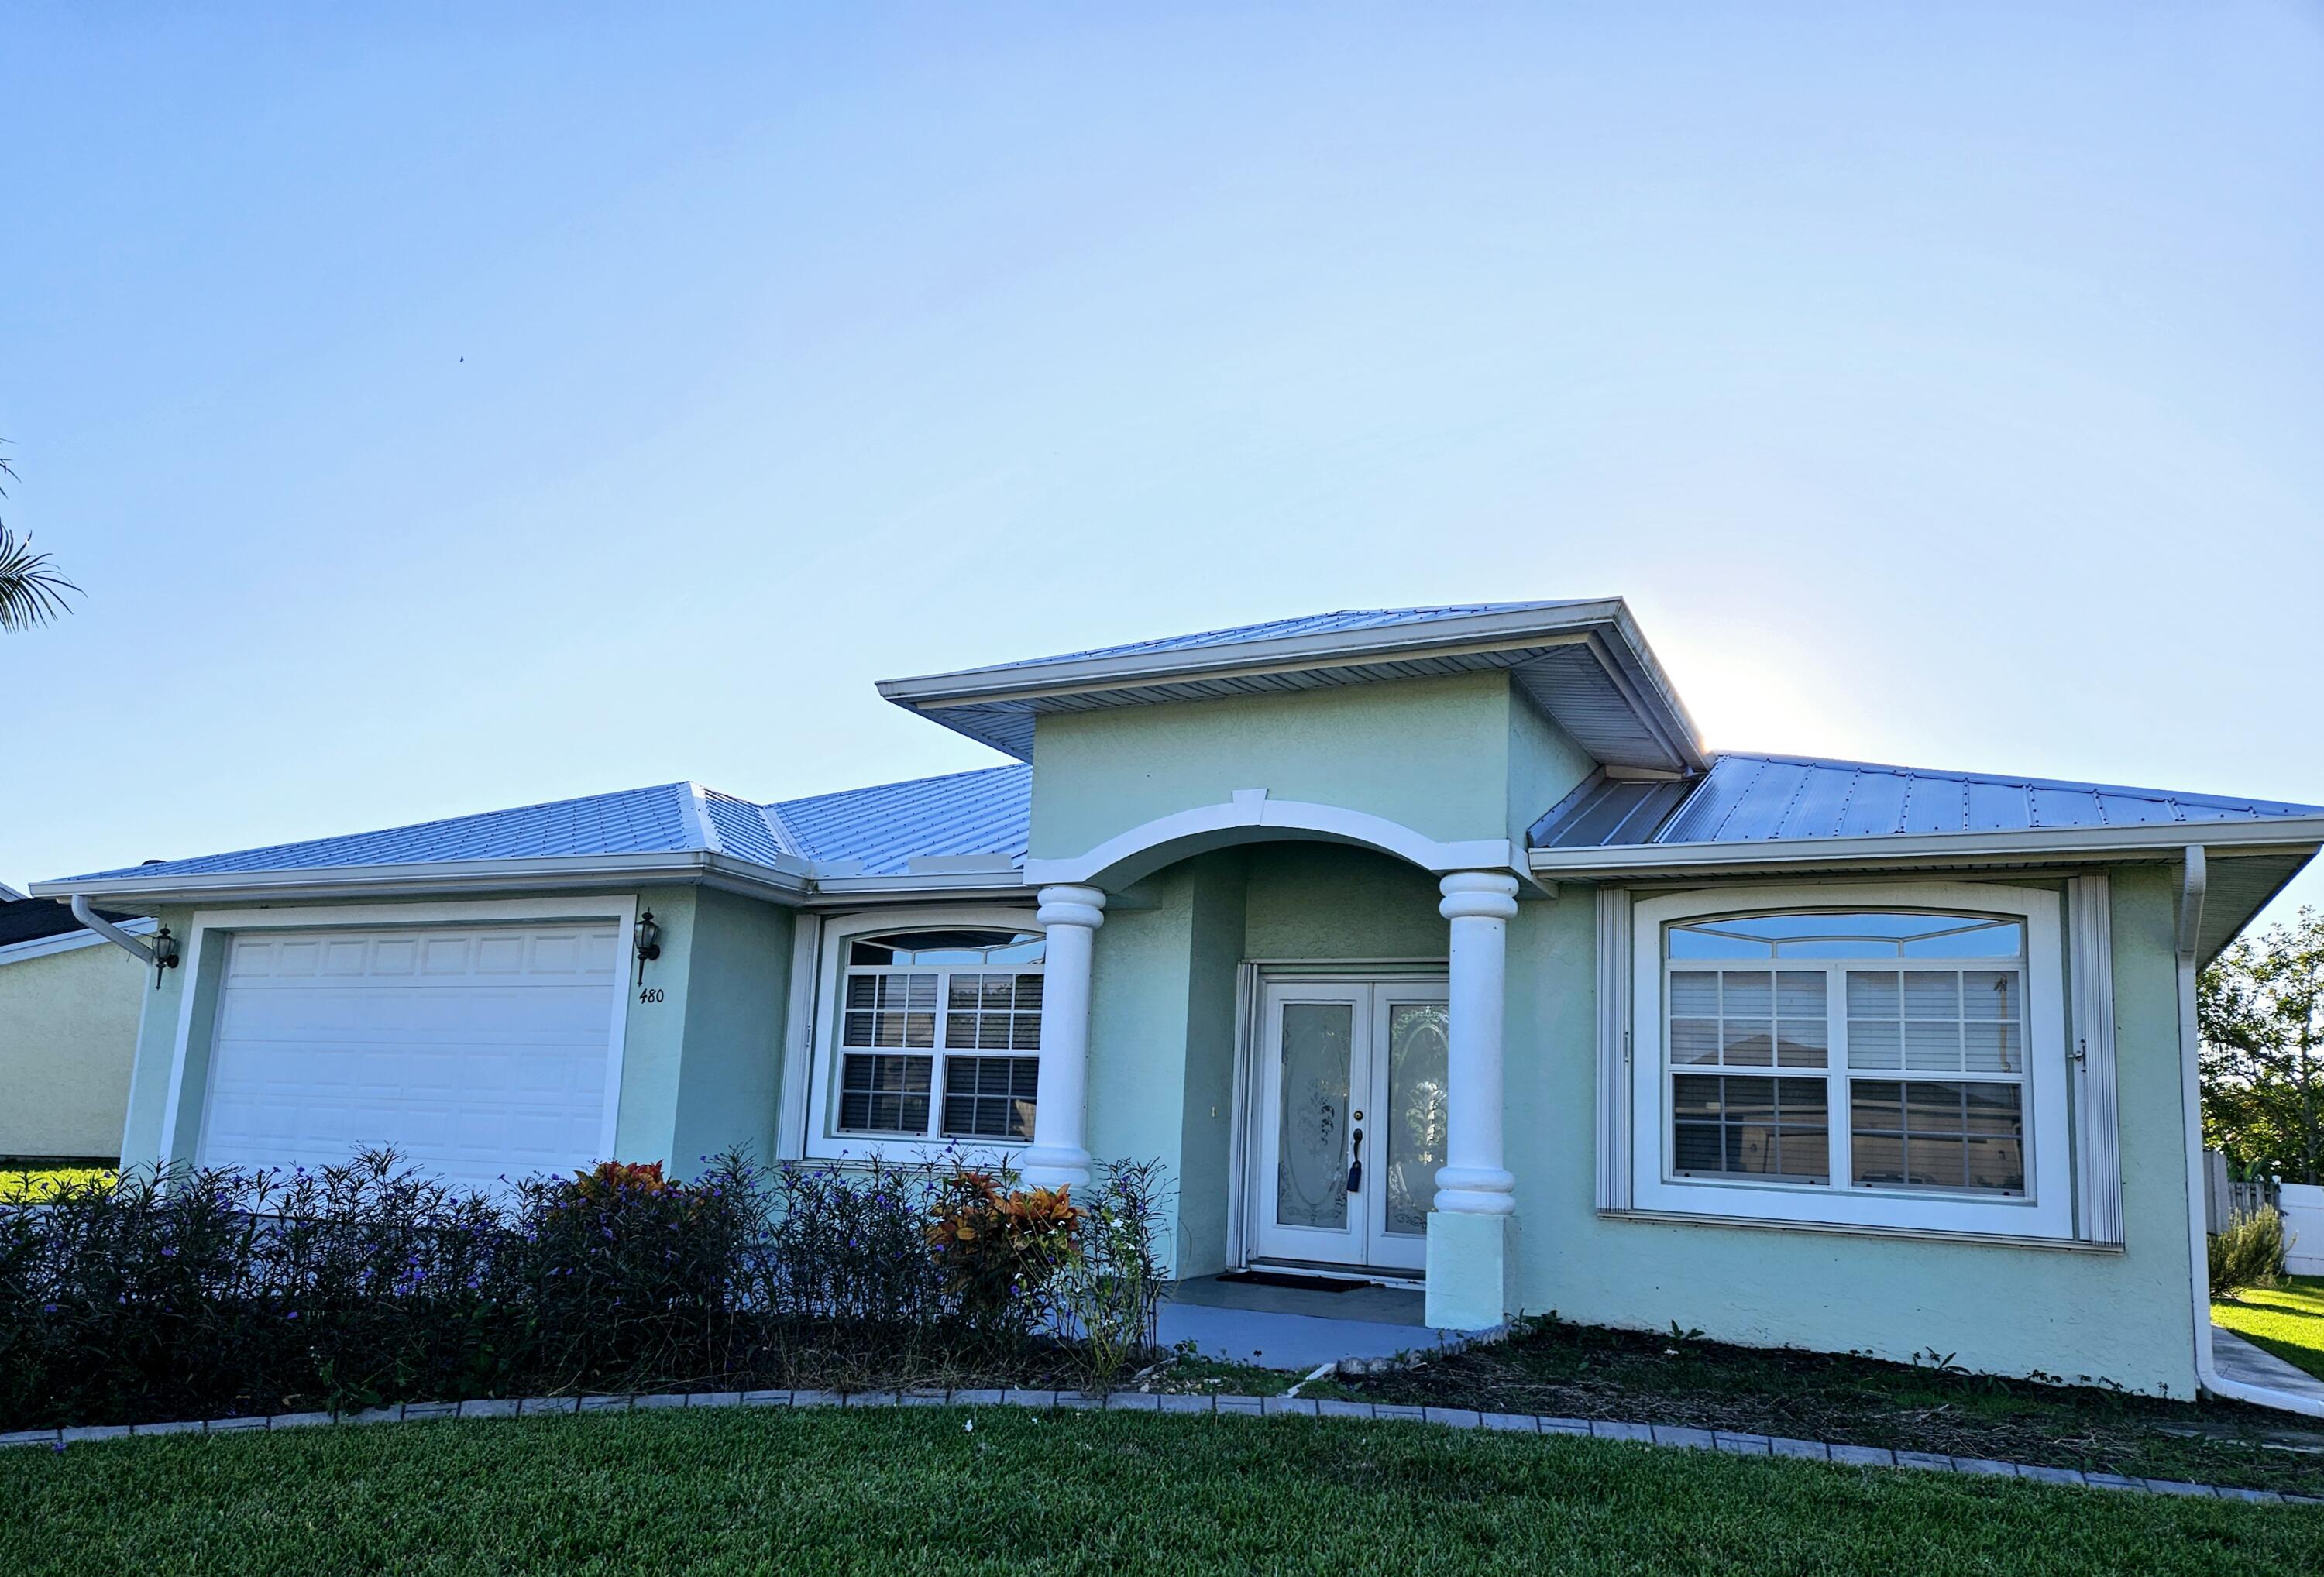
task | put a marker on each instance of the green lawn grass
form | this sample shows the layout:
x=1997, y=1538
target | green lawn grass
x=910, y=1489
x=2287, y=1320
x=30, y=1184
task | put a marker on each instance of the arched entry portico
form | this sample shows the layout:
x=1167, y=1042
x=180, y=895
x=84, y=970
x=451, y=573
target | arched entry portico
x=1474, y=1197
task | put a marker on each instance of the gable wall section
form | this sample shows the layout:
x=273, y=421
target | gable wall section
x=1430, y=754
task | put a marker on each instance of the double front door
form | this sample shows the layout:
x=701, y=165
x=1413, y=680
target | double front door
x=1351, y=1121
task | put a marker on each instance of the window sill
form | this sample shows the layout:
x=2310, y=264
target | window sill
x=856, y=1148
x=1858, y=1229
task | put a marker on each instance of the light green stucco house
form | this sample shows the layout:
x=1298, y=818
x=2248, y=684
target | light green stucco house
x=1429, y=946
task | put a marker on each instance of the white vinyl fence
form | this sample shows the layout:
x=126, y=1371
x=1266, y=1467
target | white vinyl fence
x=2303, y=1229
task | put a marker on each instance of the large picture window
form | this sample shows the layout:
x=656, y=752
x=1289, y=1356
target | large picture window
x=1795, y=1009
x=1886, y=1059
x=940, y=1035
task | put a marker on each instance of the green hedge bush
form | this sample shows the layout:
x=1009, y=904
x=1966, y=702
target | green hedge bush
x=209, y=1293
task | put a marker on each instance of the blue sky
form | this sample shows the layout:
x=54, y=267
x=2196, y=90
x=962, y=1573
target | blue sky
x=480, y=405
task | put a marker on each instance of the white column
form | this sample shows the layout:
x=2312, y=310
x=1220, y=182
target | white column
x=1473, y=1182
x=1056, y=1156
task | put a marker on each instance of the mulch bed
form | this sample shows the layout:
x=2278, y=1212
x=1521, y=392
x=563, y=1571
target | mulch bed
x=1577, y=1371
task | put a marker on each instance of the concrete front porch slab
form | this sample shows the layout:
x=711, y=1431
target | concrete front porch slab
x=1285, y=1327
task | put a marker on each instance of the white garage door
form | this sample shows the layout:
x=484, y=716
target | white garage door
x=474, y=1052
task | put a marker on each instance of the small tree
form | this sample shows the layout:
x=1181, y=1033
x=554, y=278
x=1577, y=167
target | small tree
x=2261, y=1010
x=30, y=591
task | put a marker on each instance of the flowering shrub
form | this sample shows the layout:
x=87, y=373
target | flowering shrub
x=217, y=1292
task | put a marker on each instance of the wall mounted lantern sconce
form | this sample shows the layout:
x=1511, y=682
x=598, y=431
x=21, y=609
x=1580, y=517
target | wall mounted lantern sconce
x=649, y=942
x=164, y=948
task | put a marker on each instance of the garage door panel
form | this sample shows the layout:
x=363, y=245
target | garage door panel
x=473, y=1053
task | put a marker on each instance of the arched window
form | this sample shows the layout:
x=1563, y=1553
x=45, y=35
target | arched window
x=939, y=1035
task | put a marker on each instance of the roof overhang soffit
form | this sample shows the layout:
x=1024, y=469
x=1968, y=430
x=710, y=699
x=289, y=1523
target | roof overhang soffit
x=1587, y=666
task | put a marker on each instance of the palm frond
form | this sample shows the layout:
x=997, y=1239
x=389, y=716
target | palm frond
x=31, y=592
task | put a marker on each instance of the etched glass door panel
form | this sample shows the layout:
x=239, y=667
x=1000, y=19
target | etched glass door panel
x=1413, y=1126
x=1317, y=1072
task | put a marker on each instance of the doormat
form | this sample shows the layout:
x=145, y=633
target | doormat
x=1292, y=1278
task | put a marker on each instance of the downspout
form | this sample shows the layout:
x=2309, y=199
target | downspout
x=2192, y=884
x=150, y=957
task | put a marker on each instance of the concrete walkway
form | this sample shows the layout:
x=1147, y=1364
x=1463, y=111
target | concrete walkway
x=2239, y=1361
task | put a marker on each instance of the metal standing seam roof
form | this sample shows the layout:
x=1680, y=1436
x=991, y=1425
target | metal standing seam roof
x=1747, y=798
x=885, y=826
x=890, y=825
x=636, y=821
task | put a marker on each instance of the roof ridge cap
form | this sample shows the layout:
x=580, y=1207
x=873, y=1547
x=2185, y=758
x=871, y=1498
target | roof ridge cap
x=788, y=840
x=690, y=802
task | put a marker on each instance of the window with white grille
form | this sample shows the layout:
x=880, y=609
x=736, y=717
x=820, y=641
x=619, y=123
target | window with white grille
x=1887, y=1060
x=939, y=1033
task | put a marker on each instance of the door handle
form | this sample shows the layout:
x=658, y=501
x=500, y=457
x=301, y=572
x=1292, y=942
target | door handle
x=1356, y=1164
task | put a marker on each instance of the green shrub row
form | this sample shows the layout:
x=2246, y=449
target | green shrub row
x=213, y=1293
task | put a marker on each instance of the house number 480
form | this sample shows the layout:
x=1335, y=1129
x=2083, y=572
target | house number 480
x=651, y=994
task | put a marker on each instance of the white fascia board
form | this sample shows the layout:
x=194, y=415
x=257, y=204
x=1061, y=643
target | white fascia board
x=2161, y=840
x=841, y=890
x=67, y=942
x=1332, y=647
x=533, y=875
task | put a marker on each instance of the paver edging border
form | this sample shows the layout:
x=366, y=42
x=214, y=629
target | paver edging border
x=1668, y=1436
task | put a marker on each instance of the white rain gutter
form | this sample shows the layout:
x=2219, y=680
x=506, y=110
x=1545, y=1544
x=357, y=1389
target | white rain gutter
x=114, y=933
x=2192, y=887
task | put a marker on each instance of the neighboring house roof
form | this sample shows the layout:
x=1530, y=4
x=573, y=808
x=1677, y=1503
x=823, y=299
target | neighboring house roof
x=1755, y=797
x=31, y=919
x=1584, y=662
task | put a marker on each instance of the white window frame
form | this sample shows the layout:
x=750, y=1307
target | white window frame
x=2045, y=1210
x=824, y=1140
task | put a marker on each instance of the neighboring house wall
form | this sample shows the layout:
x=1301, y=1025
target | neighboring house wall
x=68, y=1035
